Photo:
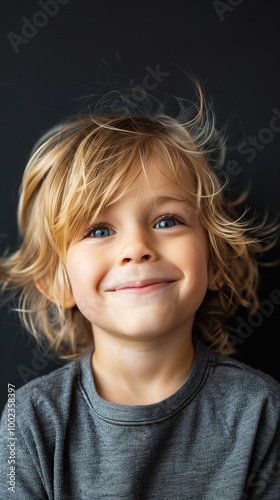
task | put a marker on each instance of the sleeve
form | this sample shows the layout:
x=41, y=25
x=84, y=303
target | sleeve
x=21, y=477
x=263, y=481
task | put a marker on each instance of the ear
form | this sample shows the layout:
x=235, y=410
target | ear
x=43, y=287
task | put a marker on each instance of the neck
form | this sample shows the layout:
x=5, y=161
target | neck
x=133, y=372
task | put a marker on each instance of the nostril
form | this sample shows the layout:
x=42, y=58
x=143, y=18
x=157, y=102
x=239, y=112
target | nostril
x=129, y=259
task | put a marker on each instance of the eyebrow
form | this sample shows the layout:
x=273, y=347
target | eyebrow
x=165, y=199
x=188, y=206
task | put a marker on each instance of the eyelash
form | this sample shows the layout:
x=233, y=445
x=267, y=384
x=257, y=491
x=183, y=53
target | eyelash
x=173, y=216
x=97, y=225
x=102, y=225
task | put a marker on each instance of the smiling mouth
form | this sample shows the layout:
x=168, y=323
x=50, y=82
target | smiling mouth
x=139, y=287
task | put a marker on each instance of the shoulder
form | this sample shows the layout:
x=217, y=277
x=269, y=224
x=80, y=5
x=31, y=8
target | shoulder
x=55, y=385
x=46, y=398
x=38, y=425
x=235, y=372
x=243, y=386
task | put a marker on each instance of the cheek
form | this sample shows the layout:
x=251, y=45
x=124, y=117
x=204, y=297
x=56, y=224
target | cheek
x=193, y=262
x=192, y=256
x=85, y=272
x=84, y=283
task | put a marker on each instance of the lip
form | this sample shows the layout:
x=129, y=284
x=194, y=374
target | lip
x=141, y=286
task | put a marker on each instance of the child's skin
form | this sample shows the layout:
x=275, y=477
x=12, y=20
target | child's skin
x=142, y=334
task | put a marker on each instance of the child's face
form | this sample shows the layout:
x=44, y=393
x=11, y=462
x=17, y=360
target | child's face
x=143, y=271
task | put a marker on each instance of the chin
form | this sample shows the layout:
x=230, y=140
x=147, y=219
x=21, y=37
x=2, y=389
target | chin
x=141, y=329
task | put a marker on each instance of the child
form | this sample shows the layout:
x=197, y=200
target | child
x=129, y=242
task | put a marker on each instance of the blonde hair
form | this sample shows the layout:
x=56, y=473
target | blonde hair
x=79, y=168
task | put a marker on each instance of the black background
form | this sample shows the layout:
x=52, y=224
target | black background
x=88, y=45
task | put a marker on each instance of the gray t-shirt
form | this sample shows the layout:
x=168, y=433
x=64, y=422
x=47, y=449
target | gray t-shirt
x=216, y=438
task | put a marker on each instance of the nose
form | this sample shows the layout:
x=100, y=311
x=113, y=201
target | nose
x=137, y=248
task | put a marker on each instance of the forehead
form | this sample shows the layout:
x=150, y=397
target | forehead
x=158, y=181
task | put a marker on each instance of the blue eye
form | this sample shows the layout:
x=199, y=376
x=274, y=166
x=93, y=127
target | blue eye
x=165, y=223
x=101, y=232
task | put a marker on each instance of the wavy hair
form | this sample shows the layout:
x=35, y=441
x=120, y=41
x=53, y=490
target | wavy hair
x=79, y=168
